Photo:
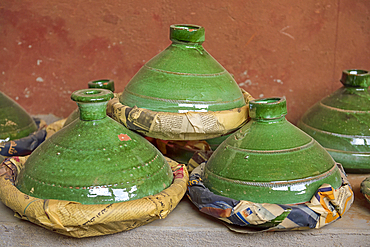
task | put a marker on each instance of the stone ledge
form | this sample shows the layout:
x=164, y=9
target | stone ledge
x=186, y=226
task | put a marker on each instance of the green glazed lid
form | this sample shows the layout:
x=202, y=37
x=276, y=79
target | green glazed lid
x=183, y=77
x=355, y=78
x=15, y=122
x=215, y=142
x=103, y=83
x=95, y=160
x=269, y=160
x=340, y=122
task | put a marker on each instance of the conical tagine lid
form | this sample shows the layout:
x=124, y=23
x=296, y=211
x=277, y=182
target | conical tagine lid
x=269, y=160
x=15, y=122
x=340, y=122
x=94, y=160
x=182, y=78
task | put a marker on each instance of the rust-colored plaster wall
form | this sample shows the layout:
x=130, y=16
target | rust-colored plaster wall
x=49, y=48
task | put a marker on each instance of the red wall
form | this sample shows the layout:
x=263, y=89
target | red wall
x=50, y=48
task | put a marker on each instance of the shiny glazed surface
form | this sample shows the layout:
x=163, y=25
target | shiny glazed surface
x=183, y=77
x=215, y=142
x=103, y=83
x=269, y=160
x=15, y=122
x=340, y=122
x=95, y=160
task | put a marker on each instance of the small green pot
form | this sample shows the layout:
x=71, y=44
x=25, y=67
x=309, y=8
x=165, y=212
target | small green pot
x=340, y=122
x=94, y=160
x=269, y=160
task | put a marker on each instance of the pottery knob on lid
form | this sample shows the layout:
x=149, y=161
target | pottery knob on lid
x=187, y=33
x=94, y=160
x=356, y=78
x=340, y=122
x=267, y=109
x=102, y=83
x=182, y=78
x=269, y=160
x=15, y=122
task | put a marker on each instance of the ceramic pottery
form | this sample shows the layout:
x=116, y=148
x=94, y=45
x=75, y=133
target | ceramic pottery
x=94, y=160
x=15, y=122
x=269, y=160
x=215, y=142
x=340, y=122
x=182, y=78
x=104, y=83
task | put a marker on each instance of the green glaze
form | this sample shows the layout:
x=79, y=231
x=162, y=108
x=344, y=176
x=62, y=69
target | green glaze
x=94, y=160
x=15, y=122
x=215, y=142
x=183, y=77
x=269, y=160
x=270, y=108
x=340, y=122
x=73, y=116
x=103, y=83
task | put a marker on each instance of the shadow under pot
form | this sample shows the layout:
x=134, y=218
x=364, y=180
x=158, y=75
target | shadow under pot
x=269, y=160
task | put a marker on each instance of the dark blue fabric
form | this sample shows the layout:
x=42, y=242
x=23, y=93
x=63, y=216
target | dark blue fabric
x=25, y=145
x=203, y=198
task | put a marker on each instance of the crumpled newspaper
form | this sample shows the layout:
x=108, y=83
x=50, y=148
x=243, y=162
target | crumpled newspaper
x=179, y=126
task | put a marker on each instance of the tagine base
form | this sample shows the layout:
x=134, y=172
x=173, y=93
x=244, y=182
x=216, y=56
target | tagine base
x=179, y=126
x=326, y=206
x=187, y=226
x=80, y=220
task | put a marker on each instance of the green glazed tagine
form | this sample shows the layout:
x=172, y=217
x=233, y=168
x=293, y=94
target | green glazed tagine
x=182, y=78
x=15, y=122
x=94, y=160
x=215, y=142
x=103, y=83
x=269, y=160
x=341, y=122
